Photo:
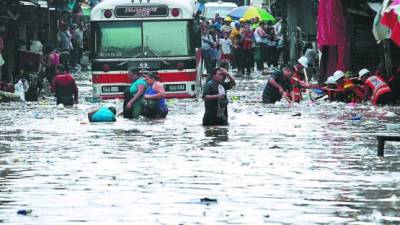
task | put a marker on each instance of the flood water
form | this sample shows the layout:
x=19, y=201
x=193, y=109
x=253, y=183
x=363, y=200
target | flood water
x=307, y=164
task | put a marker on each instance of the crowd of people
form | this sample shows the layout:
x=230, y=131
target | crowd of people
x=242, y=43
x=146, y=95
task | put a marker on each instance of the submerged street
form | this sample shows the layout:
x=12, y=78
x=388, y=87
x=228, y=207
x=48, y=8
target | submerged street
x=307, y=164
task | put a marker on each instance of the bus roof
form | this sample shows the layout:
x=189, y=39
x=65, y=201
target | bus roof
x=187, y=8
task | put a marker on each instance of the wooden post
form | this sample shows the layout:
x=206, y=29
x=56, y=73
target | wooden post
x=381, y=146
x=381, y=142
x=285, y=53
x=388, y=57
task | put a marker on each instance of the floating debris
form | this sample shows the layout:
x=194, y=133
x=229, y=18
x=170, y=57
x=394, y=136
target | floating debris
x=208, y=200
x=24, y=212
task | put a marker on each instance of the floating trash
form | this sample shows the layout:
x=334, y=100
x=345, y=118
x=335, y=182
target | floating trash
x=93, y=99
x=297, y=114
x=356, y=117
x=24, y=212
x=208, y=200
x=393, y=126
x=390, y=114
x=37, y=115
x=275, y=147
x=235, y=98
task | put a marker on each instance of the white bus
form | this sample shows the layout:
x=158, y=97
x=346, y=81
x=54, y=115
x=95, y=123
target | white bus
x=158, y=34
x=220, y=8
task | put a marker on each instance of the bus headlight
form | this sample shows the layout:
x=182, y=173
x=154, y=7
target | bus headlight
x=175, y=12
x=108, y=13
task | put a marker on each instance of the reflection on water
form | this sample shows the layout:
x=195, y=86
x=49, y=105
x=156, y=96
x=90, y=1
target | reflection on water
x=308, y=164
x=217, y=134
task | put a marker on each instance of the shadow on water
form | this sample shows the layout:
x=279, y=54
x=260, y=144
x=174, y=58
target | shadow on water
x=216, y=135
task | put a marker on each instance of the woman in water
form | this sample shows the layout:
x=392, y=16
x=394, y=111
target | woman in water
x=154, y=103
x=133, y=96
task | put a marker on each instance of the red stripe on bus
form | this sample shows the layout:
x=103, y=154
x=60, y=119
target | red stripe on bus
x=164, y=77
x=110, y=78
x=168, y=95
x=177, y=76
x=105, y=97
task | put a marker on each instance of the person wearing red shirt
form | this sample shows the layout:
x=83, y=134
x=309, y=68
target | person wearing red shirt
x=247, y=49
x=297, y=78
x=376, y=88
x=64, y=87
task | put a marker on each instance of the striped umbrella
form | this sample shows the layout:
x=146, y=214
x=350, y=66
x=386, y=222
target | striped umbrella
x=250, y=12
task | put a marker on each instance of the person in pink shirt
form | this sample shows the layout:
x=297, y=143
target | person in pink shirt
x=53, y=60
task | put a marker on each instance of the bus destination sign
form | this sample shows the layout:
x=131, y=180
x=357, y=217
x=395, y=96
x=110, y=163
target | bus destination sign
x=141, y=11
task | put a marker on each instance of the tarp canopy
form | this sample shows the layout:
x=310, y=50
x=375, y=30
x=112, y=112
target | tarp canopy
x=331, y=23
x=332, y=38
x=391, y=20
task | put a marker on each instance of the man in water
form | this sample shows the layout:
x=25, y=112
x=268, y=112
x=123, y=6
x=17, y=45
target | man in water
x=65, y=87
x=215, y=100
x=279, y=85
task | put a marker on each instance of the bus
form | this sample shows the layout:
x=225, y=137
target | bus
x=160, y=35
x=222, y=8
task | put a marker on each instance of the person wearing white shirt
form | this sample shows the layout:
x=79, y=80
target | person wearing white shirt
x=260, y=37
x=226, y=47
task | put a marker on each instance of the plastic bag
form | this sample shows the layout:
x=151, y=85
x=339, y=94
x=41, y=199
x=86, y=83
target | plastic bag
x=1, y=60
x=20, y=88
x=84, y=59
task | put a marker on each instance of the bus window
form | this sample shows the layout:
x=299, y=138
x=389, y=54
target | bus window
x=120, y=39
x=166, y=38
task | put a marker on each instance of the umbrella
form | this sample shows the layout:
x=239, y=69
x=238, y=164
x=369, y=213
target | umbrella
x=391, y=19
x=250, y=12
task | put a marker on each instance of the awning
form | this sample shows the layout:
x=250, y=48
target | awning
x=43, y=4
x=377, y=7
x=27, y=3
x=38, y=3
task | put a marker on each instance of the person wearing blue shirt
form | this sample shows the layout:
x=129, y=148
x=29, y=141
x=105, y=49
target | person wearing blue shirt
x=154, y=98
x=103, y=114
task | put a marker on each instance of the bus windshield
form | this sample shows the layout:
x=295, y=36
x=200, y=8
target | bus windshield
x=148, y=39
